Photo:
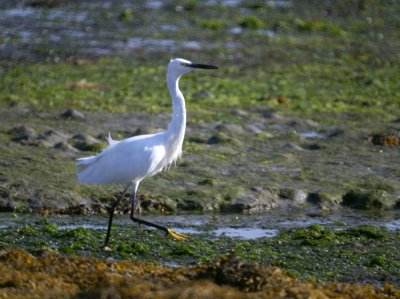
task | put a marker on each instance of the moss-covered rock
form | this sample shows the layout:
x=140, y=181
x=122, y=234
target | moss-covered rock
x=378, y=199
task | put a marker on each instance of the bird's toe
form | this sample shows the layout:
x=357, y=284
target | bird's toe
x=176, y=235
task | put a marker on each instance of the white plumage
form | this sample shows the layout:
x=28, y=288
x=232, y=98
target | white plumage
x=128, y=160
x=131, y=160
x=135, y=158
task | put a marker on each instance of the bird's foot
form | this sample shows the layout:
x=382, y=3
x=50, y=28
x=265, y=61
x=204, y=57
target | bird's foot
x=106, y=248
x=176, y=235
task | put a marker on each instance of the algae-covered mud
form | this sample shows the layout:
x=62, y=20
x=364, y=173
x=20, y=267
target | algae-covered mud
x=302, y=118
x=55, y=276
x=304, y=109
x=324, y=249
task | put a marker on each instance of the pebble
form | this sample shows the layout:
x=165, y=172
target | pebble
x=84, y=142
x=23, y=133
x=72, y=113
x=230, y=128
x=65, y=146
x=52, y=137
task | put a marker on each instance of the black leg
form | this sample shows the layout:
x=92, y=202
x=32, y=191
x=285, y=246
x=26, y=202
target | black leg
x=167, y=231
x=112, y=209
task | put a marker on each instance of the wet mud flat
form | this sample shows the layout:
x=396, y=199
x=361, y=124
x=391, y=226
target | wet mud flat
x=344, y=249
x=302, y=117
x=250, y=163
x=302, y=113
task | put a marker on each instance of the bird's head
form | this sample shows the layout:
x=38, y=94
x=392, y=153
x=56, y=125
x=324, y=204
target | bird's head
x=180, y=66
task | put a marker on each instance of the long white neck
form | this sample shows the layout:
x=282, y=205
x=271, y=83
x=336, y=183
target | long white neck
x=177, y=126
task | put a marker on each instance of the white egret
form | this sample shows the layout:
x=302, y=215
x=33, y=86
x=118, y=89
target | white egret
x=131, y=160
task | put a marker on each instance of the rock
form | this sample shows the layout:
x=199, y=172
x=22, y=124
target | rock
x=297, y=196
x=4, y=193
x=222, y=138
x=189, y=204
x=271, y=115
x=196, y=140
x=22, y=196
x=324, y=201
x=253, y=200
x=72, y=113
x=23, y=133
x=312, y=146
x=335, y=132
x=252, y=129
x=46, y=3
x=6, y=205
x=238, y=112
x=303, y=123
x=203, y=94
x=65, y=147
x=142, y=131
x=292, y=145
x=377, y=199
x=85, y=142
x=230, y=128
x=387, y=139
x=51, y=137
x=267, y=113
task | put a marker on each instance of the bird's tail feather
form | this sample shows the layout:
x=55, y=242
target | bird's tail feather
x=110, y=140
x=85, y=169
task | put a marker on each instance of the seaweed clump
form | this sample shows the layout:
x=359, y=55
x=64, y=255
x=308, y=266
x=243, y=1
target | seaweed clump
x=56, y=276
x=387, y=139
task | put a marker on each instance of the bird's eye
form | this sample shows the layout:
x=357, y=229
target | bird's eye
x=184, y=64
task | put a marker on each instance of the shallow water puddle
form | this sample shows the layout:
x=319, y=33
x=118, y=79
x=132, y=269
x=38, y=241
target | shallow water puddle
x=86, y=226
x=230, y=225
x=246, y=233
x=312, y=134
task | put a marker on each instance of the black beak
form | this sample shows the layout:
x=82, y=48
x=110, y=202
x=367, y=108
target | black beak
x=202, y=66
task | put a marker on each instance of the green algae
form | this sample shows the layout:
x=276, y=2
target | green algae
x=342, y=71
x=362, y=253
x=51, y=275
x=47, y=86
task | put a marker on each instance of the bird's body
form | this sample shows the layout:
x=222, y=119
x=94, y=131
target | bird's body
x=131, y=160
x=124, y=161
x=135, y=158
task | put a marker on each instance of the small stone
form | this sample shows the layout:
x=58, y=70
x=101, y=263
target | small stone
x=386, y=139
x=292, y=145
x=203, y=94
x=142, y=131
x=222, y=138
x=230, y=128
x=324, y=201
x=295, y=195
x=254, y=200
x=85, y=142
x=64, y=146
x=46, y=3
x=52, y=137
x=72, y=113
x=312, y=146
x=253, y=129
x=377, y=199
x=23, y=133
x=238, y=112
x=303, y=123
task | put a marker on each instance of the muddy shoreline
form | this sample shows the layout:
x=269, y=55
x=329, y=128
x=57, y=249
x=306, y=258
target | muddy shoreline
x=300, y=125
x=288, y=163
